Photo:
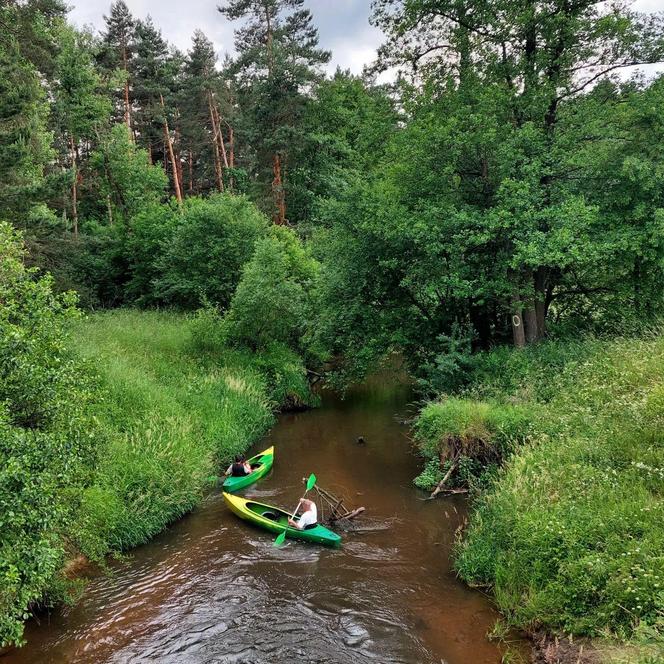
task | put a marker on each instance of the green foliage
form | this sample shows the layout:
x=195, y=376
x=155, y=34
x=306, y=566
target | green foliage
x=174, y=415
x=128, y=182
x=151, y=230
x=278, y=61
x=273, y=301
x=570, y=536
x=25, y=143
x=347, y=129
x=46, y=434
x=203, y=259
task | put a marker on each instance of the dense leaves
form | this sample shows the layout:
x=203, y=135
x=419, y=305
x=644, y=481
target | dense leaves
x=213, y=239
x=46, y=435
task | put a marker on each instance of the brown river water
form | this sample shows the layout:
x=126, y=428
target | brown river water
x=213, y=589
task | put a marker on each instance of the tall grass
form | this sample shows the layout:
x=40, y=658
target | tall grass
x=173, y=416
x=571, y=535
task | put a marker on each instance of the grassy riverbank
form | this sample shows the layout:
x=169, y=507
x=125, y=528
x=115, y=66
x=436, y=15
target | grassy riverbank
x=569, y=533
x=175, y=410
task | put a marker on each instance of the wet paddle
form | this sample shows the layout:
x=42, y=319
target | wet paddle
x=311, y=482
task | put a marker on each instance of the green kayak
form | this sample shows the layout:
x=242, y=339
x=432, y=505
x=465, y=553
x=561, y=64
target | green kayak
x=276, y=520
x=261, y=463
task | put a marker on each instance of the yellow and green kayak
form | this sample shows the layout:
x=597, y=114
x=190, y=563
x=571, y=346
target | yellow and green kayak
x=261, y=464
x=275, y=520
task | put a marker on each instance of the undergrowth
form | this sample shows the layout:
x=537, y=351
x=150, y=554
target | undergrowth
x=570, y=535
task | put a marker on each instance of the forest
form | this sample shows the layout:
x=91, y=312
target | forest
x=240, y=223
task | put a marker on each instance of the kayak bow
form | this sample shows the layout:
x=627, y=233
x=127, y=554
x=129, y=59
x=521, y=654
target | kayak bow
x=261, y=463
x=275, y=520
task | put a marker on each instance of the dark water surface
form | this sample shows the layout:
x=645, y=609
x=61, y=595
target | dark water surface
x=213, y=589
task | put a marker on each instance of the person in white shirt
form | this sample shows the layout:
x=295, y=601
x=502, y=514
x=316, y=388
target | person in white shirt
x=309, y=515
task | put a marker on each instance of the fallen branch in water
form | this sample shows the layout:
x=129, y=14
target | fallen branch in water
x=441, y=485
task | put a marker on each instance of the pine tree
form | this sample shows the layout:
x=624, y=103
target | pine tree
x=118, y=41
x=25, y=142
x=278, y=59
x=198, y=98
x=81, y=107
x=152, y=78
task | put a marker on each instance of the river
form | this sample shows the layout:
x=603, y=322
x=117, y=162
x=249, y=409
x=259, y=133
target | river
x=213, y=589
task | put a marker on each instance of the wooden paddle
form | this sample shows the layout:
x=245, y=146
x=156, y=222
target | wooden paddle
x=311, y=483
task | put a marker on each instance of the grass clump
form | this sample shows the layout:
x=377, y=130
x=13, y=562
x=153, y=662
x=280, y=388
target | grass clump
x=571, y=535
x=175, y=412
x=472, y=435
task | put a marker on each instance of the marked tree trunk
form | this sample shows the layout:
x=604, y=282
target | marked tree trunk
x=518, y=332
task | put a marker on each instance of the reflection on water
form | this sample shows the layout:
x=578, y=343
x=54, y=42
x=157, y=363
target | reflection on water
x=213, y=589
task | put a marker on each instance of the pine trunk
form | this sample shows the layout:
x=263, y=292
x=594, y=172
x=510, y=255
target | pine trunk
x=126, y=90
x=74, y=186
x=279, y=216
x=178, y=159
x=215, y=146
x=171, y=154
x=231, y=146
x=220, y=136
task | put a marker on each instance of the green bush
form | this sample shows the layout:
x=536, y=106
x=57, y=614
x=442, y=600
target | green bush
x=46, y=434
x=151, y=231
x=571, y=536
x=203, y=258
x=273, y=301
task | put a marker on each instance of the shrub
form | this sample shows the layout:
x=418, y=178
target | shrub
x=46, y=434
x=151, y=231
x=475, y=434
x=203, y=258
x=273, y=300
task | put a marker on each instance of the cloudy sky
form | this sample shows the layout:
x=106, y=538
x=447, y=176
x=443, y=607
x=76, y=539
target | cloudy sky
x=343, y=24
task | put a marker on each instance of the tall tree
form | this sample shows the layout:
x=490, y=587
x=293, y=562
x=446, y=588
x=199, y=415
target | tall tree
x=26, y=41
x=203, y=130
x=278, y=60
x=81, y=106
x=118, y=41
x=537, y=56
x=152, y=77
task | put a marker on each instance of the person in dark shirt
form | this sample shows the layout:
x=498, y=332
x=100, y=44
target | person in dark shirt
x=239, y=467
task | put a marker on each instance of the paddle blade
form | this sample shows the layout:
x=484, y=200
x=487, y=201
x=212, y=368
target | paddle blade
x=311, y=482
x=281, y=537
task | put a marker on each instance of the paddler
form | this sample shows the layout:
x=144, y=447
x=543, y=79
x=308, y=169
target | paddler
x=308, y=517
